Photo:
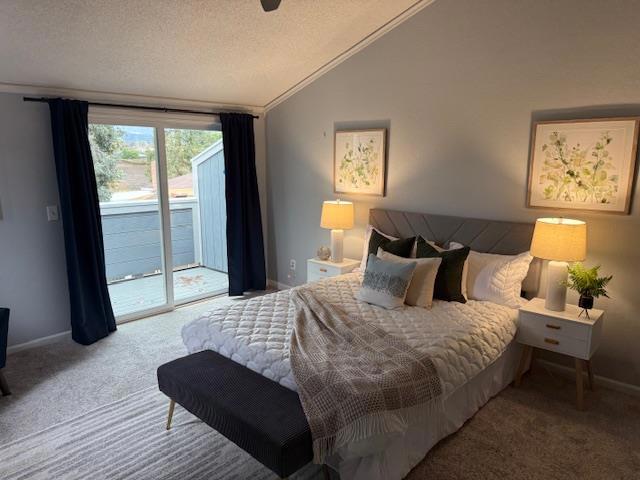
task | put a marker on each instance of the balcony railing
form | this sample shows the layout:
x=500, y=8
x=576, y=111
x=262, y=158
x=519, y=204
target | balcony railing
x=132, y=237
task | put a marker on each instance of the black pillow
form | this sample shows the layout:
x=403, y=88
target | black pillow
x=449, y=277
x=401, y=247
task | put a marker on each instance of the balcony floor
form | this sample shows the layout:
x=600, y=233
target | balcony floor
x=129, y=296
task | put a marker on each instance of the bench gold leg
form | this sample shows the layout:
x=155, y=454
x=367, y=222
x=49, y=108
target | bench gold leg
x=172, y=404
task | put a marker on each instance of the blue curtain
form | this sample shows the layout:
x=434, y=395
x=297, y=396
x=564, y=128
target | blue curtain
x=91, y=313
x=245, y=245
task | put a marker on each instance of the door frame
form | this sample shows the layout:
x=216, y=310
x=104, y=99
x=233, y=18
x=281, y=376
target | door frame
x=159, y=121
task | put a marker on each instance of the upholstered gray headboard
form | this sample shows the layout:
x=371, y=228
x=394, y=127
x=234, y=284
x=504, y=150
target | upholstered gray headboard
x=489, y=236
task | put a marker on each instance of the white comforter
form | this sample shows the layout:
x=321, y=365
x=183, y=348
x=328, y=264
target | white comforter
x=462, y=339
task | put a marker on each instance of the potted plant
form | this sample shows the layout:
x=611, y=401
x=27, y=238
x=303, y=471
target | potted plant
x=587, y=283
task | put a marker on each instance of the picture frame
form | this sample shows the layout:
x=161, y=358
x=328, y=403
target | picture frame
x=359, y=162
x=587, y=165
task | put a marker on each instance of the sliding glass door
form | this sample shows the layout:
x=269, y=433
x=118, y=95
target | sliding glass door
x=195, y=171
x=163, y=214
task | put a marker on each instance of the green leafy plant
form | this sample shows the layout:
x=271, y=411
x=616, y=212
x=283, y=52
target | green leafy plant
x=105, y=141
x=586, y=281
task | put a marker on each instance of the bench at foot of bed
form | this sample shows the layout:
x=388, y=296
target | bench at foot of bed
x=260, y=416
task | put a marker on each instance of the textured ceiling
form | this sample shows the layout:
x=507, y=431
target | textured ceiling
x=226, y=51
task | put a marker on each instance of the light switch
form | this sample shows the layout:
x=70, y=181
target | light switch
x=52, y=213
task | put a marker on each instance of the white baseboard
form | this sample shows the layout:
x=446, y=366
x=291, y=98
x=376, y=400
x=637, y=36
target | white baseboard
x=277, y=285
x=570, y=373
x=38, y=342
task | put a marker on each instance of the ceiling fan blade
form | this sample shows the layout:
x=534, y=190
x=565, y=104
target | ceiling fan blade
x=270, y=5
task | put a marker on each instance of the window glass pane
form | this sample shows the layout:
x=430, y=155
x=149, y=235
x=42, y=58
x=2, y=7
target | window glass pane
x=195, y=171
x=125, y=165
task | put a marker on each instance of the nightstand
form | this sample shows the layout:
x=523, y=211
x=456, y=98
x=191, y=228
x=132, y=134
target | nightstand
x=568, y=333
x=318, y=269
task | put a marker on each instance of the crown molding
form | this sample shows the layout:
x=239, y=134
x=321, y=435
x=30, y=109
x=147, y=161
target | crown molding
x=125, y=98
x=369, y=39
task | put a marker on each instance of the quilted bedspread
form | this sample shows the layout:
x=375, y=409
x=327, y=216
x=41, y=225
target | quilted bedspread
x=461, y=339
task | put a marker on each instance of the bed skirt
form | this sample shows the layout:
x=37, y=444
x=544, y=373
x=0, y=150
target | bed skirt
x=397, y=456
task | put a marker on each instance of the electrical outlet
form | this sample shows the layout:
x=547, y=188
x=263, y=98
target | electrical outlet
x=292, y=264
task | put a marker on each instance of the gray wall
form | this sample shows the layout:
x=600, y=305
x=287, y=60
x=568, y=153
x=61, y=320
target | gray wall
x=32, y=264
x=458, y=86
x=33, y=281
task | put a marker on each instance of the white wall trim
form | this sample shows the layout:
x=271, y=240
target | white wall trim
x=126, y=98
x=570, y=373
x=337, y=60
x=277, y=285
x=38, y=342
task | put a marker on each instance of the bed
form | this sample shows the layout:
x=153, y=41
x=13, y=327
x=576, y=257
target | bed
x=471, y=344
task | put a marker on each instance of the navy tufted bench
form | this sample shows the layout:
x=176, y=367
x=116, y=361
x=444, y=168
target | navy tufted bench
x=260, y=416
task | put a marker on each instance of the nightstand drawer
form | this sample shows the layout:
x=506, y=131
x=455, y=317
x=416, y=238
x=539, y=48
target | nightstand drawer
x=554, y=326
x=532, y=334
x=321, y=271
x=312, y=277
x=318, y=269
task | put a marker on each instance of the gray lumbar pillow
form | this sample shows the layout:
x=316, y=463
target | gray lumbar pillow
x=385, y=283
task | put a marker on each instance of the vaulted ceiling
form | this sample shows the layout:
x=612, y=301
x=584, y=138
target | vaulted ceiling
x=226, y=51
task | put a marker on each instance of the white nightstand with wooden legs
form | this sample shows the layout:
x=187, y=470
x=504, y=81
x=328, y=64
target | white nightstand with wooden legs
x=568, y=332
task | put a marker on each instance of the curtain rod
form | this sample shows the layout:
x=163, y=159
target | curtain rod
x=135, y=107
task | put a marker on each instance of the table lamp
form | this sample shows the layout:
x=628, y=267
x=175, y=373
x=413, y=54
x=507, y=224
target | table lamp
x=338, y=216
x=559, y=240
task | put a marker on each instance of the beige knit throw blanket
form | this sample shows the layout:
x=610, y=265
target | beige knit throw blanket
x=354, y=379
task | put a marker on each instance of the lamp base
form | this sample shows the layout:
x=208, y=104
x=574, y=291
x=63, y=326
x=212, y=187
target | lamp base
x=557, y=275
x=337, y=237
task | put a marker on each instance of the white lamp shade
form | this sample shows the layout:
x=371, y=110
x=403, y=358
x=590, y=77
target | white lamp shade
x=560, y=239
x=337, y=215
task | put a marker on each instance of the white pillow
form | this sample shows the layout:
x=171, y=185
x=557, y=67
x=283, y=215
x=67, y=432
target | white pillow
x=420, y=292
x=497, y=278
x=365, y=247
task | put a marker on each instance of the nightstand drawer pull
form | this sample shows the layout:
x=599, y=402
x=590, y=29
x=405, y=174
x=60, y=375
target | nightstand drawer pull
x=554, y=327
x=323, y=270
x=552, y=341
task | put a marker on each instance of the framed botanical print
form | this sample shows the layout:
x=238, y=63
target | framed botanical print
x=583, y=164
x=359, y=161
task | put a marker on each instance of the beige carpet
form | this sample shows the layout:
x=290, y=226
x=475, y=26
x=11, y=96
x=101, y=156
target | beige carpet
x=532, y=432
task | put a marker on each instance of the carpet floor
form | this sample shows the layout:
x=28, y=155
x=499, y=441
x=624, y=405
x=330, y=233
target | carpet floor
x=531, y=432
x=55, y=382
x=128, y=440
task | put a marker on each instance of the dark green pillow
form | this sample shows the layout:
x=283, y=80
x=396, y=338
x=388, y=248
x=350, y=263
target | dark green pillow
x=449, y=277
x=401, y=247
